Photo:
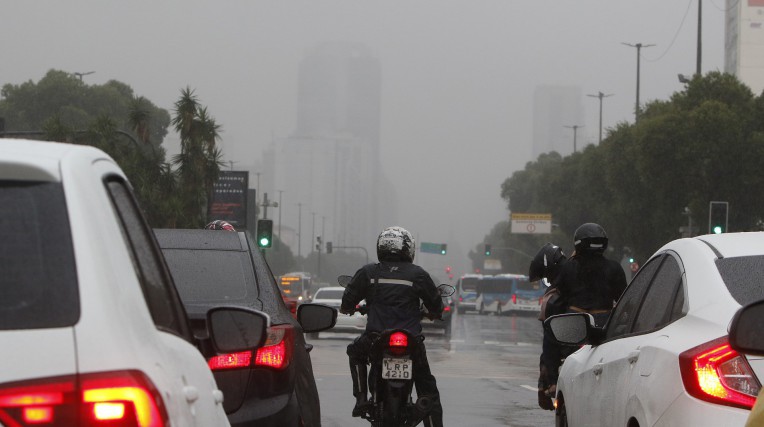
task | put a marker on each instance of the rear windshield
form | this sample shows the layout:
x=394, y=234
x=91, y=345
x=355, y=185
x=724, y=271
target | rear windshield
x=495, y=286
x=329, y=294
x=211, y=276
x=38, y=277
x=743, y=277
x=469, y=284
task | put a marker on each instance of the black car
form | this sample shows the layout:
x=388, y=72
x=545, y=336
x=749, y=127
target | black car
x=270, y=386
x=445, y=323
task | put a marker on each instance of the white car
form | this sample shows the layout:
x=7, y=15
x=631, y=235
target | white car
x=664, y=358
x=332, y=296
x=92, y=331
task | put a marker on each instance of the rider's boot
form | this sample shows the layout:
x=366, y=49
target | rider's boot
x=433, y=420
x=359, y=375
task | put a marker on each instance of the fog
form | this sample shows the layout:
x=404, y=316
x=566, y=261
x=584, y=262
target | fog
x=458, y=77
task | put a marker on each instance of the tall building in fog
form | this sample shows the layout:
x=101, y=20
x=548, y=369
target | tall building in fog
x=555, y=110
x=330, y=162
x=744, y=42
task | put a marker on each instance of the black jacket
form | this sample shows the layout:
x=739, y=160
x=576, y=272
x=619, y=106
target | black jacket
x=393, y=291
x=590, y=282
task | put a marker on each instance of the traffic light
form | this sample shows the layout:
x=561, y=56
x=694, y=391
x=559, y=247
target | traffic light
x=718, y=217
x=328, y=247
x=264, y=233
x=443, y=249
x=318, y=243
x=487, y=250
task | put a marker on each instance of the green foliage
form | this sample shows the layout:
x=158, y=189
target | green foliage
x=706, y=143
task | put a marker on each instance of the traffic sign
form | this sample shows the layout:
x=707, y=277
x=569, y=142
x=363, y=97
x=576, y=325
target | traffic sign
x=530, y=223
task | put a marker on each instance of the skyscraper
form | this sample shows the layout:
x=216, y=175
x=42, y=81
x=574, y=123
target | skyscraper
x=554, y=108
x=744, y=42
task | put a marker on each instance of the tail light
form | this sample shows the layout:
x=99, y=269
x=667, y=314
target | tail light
x=716, y=373
x=275, y=353
x=514, y=298
x=447, y=308
x=461, y=299
x=399, y=339
x=278, y=348
x=114, y=399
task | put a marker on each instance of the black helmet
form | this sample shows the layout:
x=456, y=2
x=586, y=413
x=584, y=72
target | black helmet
x=219, y=224
x=546, y=263
x=395, y=244
x=590, y=237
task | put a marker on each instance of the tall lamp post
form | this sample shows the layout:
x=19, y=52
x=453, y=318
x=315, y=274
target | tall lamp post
x=639, y=47
x=278, y=242
x=600, y=95
x=299, y=230
x=575, y=131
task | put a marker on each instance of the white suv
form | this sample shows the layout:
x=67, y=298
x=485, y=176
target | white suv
x=92, y=331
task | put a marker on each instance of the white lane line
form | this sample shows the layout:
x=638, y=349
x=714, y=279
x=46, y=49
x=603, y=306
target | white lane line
x=533, y=389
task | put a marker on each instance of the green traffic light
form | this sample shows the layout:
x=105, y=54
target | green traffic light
x=718, y=229
x=264, y=242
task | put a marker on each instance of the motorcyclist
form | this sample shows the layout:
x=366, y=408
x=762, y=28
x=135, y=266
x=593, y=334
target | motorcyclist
x=545, y=266
x=588, y=283
x=393, y=288
x=219, y=224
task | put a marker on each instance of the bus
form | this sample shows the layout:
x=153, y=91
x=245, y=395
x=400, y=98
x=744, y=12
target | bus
x=466, y=292
x=506, y=293
x=295, y=288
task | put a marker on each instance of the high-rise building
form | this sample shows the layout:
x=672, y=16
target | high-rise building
x=330, y=163
x=744, y=42
x=556, y=110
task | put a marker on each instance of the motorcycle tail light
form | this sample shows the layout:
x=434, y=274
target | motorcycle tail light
x=399, y=339
x=115, y=399
x=714, y=372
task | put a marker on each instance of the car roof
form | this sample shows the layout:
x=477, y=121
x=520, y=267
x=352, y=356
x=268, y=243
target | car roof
x=25, y=159
x=331, y=288
x=217, y=240
x=728, y=245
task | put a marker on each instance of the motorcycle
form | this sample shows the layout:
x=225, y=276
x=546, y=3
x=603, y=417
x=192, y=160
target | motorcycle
x=392, y=360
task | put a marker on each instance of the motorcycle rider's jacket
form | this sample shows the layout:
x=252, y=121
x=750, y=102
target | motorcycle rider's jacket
x=393, y=291
x=590, y=282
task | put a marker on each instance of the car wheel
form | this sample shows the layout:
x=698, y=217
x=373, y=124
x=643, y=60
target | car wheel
x=560, y=414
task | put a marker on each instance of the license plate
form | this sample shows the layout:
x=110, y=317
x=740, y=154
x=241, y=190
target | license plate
x=397, y=369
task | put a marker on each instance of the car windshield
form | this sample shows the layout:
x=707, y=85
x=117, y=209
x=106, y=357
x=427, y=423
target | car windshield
x=329, y=294
x=743, y=276
x=211, y=276
x=38, y=278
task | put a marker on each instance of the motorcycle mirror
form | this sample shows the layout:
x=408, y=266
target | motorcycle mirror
x=344, y=280
x=446, y=290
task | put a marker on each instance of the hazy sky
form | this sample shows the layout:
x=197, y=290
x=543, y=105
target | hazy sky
x=458, y=76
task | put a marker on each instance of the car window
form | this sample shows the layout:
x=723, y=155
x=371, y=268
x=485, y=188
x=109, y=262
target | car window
x=38, y=276
x=624, y=312
x=231, y=278
x=742, y=275
x=157, y=286
x=329, y=294
x=656, y=308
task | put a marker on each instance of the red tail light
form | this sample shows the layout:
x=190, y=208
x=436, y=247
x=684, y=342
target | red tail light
x=461, y=299
x=115, y=399
x=399, y=339
x=447, y=308
x=278, y=348
x=716, y=373
x=514, y=298
x=230, y=361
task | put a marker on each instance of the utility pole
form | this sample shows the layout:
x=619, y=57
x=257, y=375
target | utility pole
x=83, y=74
x=299, y=230
x=575, y=131
x=639, y=47
x=700, y=50
x=313, y=238
x=600, y=95
x=278, y=245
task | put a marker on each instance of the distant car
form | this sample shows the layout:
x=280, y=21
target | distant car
x=92, y=331
x=445, y=323
x=664, y=356
x=332, y=296
x=269, y=386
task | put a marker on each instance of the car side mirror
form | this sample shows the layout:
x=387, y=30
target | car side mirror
x=344, y=280
x=745, y=331
x=570, y=329
x=316, y=317
x=446, y=290
x=234, y=329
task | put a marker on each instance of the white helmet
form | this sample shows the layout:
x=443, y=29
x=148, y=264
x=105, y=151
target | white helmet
x=395, y=244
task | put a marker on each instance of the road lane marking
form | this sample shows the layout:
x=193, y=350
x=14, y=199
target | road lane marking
x=533, y=389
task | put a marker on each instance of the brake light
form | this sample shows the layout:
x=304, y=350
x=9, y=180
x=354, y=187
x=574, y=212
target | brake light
x=716, y=373
x=277, y=351
x=399, y=339
x=230, y=361
x=461, y=299
x=116, y=399
x=514, y=298
x=447, y=308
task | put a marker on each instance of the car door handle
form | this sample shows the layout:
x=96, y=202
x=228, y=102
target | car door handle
x=190, y=393
x=597, y=369
x=633, y=357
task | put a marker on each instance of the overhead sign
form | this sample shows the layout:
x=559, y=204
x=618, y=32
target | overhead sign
x=432, y=248
x=229, y=198
x=530, y=223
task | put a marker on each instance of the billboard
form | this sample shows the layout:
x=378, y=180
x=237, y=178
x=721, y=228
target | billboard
x=229, y=198
x=531, y=223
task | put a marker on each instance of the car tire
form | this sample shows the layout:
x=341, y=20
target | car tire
x=560, y=414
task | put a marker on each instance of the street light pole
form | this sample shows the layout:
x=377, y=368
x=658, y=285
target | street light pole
x=697, y=65
x=600, y=95
x=575, y=131
x=299, y=230
x=278, y=244
x=639, y=47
